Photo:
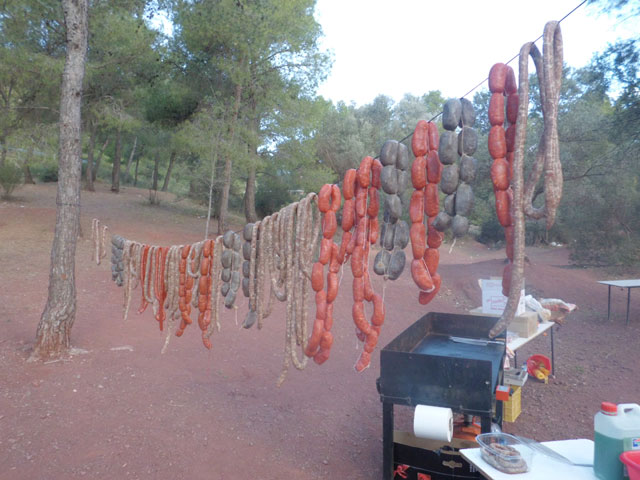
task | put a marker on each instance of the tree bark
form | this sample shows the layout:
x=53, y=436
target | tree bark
x=97, y=167
x=250, y=196
x=117, y=156
x=88, y=176
x=131, y=155
x=54, y=328
x=135, y=175
x=167, y=177
x=224, y=200
x=153, y=193
x=28, y=178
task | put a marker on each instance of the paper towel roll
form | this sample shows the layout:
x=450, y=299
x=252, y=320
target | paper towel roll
x=435, y=423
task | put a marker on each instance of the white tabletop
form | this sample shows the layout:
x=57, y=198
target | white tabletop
x=543, y=467
x=520, y=341
x=631, y=283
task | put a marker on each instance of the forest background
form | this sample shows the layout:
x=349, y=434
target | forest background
x=227, y=107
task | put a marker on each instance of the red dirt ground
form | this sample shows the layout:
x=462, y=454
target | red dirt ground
x=117, y=408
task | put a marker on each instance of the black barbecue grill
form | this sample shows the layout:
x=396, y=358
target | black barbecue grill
x=443, y=360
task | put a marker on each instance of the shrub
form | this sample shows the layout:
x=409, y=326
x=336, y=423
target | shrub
x=10, y=178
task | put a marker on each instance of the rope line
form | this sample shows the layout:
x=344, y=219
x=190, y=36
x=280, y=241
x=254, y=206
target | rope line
x=506, y=63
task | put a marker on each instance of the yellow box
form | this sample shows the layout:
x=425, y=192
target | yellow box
x=511, y=409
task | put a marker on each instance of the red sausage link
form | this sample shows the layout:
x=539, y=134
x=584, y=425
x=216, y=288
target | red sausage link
x=434, y=167
x=497, y=78
x=324, y=198
x=376, y=171
x=364, y=172
x=420, y=275
x=432, y=259
x=500, y=174
x=419, y=173
x=374, y=202
x=325, y=251
x=317, y=277
x=510, y=84
x=418, y=236
x=416, y=206
x=425, y=297
x=496, y=109
x=349, y=183
x=336, y=198
x=358, y=289
x=348, y=214
x=433, y=136
x=512, y=108
x=434, y=237
x=377, y=319
x=431, y=200
x=497, y=142
x=420, y=139
x=359, y=318
x=329, y=224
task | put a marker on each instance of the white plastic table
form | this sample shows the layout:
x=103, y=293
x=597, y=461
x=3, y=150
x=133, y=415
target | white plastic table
x=543, y=467
x=516, y=343
x=628, y=284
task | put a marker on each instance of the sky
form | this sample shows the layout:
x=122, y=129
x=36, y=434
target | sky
x=414, y=46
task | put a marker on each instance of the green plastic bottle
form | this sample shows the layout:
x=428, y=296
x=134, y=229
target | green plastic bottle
x=617, y=430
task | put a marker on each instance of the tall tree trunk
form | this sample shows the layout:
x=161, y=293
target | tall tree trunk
x=250, y=196
x=28, y=178
x=117, y=156
x=153, y=193
x=224, y=200
x=135, y=175
x=99, y=159
x=250, y=188
x=3, y=149
x=131, y=155
x=54, y=328
x=167, y=177
x=88, y=175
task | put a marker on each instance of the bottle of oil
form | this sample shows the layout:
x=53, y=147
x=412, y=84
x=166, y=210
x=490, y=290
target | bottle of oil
x=617, y=429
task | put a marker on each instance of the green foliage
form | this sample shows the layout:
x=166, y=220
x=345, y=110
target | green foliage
x=10, y=178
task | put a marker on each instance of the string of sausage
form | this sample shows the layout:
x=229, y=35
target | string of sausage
x=502, y=82
x=365, y=232
x=425, y=240
x=549, y=71
x=321, y=340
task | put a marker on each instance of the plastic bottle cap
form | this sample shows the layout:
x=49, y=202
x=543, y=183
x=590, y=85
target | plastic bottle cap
x=609, y=408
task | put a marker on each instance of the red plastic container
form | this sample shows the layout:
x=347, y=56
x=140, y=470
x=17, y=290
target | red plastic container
x=632, y=460
x=533, y=362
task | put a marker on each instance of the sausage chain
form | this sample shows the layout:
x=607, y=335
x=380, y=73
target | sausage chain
x=502, y=82
x=321, y=339
x=394, y=232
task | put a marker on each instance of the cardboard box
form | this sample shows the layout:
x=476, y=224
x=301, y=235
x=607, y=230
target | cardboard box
x=419, y=458
x=513, y=407
x=493, y=302
x=524, y=325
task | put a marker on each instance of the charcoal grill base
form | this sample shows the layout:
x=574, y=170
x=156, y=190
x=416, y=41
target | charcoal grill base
x=423, y=365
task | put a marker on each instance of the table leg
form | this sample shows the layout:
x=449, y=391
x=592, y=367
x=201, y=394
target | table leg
x=628, y=301
x=553, y=359
x=609, y=305
x=387, y=440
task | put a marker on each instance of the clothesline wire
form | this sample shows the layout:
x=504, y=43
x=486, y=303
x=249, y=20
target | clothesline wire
x=506, y=63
